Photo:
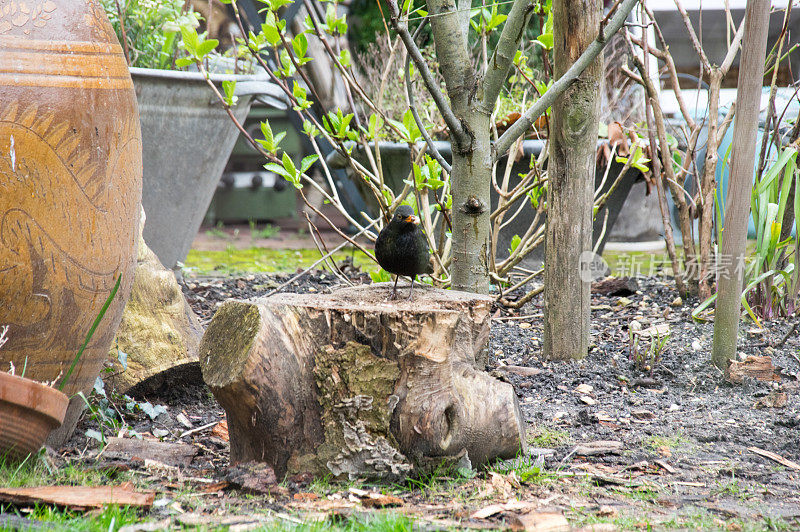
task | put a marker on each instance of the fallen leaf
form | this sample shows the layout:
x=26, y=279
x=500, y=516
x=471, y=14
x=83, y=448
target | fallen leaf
x=220, y=430
x=254, y=477
x=378, y=500
x=774, y=400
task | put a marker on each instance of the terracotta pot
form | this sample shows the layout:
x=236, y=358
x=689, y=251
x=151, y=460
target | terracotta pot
x=70, y=187
x=29, y=411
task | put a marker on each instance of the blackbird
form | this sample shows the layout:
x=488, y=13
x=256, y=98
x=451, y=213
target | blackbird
x=401, y=248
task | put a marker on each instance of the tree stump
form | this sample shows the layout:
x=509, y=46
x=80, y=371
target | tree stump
x=352, y=384
x=159, y=332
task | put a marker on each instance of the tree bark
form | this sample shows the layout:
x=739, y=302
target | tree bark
x=472, y=159
x=570, y=181
x=351, y=385
x=740, y=185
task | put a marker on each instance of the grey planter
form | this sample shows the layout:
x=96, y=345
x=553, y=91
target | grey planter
x=187, y=138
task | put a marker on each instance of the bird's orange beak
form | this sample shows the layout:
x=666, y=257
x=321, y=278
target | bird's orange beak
x=412, y=220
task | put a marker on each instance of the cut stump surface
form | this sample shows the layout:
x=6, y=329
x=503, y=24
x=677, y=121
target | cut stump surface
x=353, y=384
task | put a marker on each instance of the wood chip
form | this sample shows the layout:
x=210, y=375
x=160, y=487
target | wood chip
x=773, y=400
x=616, y=286
x=78, y=497
x=254, y=477
x=539, y=522
x=642, y=414
x=510, y=506
x=690, y=484
x=522, y=371
x=215, y=487
x=664, y=465
x=597, y=447
x=171, y=454
x=588, y=400
x=760, y=368
x=183, y=420
x=659, y=330
x=584, y=389
x=776, y=457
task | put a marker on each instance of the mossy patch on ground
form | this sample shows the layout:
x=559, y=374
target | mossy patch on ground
x=234, y=261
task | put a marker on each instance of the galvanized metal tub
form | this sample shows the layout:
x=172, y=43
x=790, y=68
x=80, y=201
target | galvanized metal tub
x=187, y=137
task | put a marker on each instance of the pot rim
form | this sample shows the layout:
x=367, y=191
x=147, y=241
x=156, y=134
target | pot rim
x=20, y=390
x=182, y=75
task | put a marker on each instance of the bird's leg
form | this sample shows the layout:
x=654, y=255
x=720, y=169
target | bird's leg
x=410, y=292
x=394, y=288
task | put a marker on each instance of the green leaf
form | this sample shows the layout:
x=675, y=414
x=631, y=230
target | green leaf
x=288, y=164
x=344, y=58
x=300, y=45
x=375, y=125
x=270, y=30
x=773, y=171
x=206, y=47
x=278, y=169
x=229, y=86
x=306, y=163
x=515, y=241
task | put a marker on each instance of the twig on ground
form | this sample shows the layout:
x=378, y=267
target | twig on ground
x=198, y=429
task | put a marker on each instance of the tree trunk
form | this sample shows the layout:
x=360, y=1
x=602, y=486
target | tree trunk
x=351, y=385
x=472, y=158
x=570, y=183
x=737, y=208
x=472, y=178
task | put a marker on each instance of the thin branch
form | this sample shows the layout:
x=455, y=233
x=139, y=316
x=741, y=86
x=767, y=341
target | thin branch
x=411, y=105
x=693, y=37
x=453, y=123
x=507, y=46
x=733, y=50
x=121, y=16
x=656, y=162
x=563, y=83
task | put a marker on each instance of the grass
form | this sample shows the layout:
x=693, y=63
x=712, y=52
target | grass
x=674, y=442
x=687, y=518
x=547, y=437
x=268, y=231
x=110, y=518
x=36, y=472
x=374, y=522
x=233, y=261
